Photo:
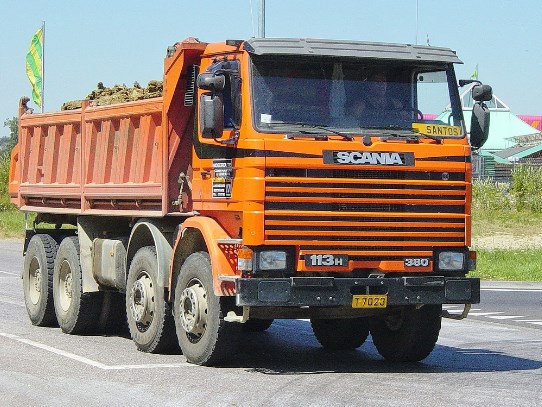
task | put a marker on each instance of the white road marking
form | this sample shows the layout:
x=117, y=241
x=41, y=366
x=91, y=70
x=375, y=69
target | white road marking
x=484, y=314
x=514, y=290
x=458, y=307
x=505, y=316
x=91, y=362
x=10, y=273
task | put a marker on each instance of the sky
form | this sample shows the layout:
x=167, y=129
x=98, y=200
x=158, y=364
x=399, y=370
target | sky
x=120, y=41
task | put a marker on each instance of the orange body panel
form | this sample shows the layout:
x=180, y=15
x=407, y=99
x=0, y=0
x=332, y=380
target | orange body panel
x=223, y=255
x=96, y=160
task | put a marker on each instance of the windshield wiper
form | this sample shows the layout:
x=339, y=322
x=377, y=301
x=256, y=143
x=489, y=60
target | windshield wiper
x=315, y=126
x=396, y=132
x=306, y=134
x=390, y=132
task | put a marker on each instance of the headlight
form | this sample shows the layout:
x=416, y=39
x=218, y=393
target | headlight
x=451, y=261
x=272, y=260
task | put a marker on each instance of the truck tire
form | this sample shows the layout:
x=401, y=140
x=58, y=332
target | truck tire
x=112, y=320
x=76, y=312
x=257, y=325
x=204, y=336
x=39, y=264
x=341, y=334
x=409, y=335
x=149, y=315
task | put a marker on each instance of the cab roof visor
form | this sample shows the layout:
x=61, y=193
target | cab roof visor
x=349, y=49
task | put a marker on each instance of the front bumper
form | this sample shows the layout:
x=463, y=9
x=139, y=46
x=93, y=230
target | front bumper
x=336, y=292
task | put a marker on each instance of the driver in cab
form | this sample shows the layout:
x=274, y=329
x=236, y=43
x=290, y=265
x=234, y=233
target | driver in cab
x=375, y=105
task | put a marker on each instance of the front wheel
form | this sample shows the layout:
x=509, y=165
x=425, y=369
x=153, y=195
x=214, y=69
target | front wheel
x=408, y=334
x=340, y=334
x=257, y=325
x=204, y=336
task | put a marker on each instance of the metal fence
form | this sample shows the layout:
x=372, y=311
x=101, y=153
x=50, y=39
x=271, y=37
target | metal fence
x=485, y=167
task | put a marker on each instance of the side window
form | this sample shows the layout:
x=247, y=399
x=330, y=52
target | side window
x=432, y=91
x=227, y=100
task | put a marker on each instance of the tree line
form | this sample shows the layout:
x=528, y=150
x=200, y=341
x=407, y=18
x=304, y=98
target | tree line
x=6, y=145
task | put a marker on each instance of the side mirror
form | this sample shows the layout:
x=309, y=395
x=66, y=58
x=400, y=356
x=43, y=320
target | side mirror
x=211, y=115
x=482, y=93
x=211, y=82
x=479, y=124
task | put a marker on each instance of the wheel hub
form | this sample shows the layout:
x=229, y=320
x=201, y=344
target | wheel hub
x=66, y=285
x=37, y=280
x=193, y=309
x=34, y=281
x=142, y=301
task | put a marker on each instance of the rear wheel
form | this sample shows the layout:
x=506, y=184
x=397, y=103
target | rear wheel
x=76, y=312
x=204, y=336
x=341, y=334
x=149, y=315
x=112, y=318
x=38, y=280
x=408, y=334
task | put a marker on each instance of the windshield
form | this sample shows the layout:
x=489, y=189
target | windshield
x=353, y=95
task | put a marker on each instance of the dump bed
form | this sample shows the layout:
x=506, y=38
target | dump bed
x=123, y=159
x=93, y=160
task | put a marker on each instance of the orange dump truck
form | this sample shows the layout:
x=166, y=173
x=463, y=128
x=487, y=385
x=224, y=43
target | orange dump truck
x=274, y=178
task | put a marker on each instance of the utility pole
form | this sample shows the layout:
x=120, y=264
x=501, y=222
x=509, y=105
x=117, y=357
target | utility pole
x=416, y=22
x=261, y=27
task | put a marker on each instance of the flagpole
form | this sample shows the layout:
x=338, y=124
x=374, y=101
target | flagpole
x=43, y=68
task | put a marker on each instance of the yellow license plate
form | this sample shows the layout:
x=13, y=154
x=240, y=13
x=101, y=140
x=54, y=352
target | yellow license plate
x=436, y=129
x=369, y=301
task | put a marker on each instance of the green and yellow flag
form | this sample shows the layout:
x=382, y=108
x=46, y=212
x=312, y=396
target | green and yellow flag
x=34, y=66
x=475, y=73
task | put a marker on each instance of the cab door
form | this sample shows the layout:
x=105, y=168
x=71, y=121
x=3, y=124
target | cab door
x=219, y=120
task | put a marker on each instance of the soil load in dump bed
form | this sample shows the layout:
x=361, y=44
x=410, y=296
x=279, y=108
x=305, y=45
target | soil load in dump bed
x=103, y=96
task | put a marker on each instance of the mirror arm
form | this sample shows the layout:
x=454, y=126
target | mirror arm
x=231, y=140
x=463, y=82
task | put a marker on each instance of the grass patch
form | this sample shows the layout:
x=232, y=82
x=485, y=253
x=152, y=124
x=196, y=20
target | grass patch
x=502, y=263
x=509, y=265
x=505, y=221
x=12, y=224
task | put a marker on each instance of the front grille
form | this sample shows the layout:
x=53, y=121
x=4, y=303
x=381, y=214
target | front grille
x=371, y=214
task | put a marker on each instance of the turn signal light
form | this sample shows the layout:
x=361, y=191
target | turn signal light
x=245, y=259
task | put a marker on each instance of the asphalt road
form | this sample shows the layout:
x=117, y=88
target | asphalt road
x=477, y=361
x=508, y=303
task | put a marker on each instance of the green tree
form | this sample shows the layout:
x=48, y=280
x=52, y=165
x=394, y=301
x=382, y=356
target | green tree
x=13, y=125
x=5, y=157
